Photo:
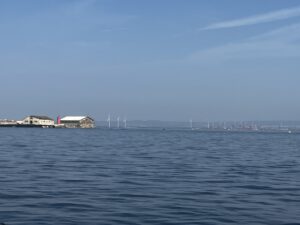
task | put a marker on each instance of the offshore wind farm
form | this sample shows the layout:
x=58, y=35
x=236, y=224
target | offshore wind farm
x=217, y=126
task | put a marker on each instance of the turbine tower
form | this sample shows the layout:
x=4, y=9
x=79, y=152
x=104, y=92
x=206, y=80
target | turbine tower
x=125, y=122
x=191, y=124
x=108, y=120
x=118, y=120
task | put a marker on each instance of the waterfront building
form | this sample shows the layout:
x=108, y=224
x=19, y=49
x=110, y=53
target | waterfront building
x=77, y=122
x=38, y=120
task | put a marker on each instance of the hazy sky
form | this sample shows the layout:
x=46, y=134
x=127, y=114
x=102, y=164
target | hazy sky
x=156, y=59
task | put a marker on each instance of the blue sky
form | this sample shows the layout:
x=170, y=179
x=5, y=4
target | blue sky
x=158, y=59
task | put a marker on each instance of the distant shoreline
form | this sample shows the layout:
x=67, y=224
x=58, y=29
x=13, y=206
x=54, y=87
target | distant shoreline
x=264, y=131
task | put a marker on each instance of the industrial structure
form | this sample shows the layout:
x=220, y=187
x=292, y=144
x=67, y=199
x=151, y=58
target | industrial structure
x=77, y=122
x=47, y=122
x=38, y=121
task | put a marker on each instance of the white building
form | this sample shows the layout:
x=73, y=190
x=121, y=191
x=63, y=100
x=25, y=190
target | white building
x=78, y=122
x=38, y=120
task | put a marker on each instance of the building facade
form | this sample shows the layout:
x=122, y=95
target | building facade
x=38, y=120
x=77, y=122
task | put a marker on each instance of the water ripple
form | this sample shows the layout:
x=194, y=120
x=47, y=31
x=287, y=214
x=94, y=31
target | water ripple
x=58, y=176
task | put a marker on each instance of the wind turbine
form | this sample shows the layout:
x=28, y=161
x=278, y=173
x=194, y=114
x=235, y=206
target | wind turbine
x=118, y=120
x=125, y=122
x=108, y=120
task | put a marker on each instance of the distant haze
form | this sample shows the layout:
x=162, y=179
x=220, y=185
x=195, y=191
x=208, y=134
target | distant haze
x=151, y=60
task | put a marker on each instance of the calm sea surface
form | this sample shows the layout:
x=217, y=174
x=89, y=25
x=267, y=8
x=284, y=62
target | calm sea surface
x=97, y=176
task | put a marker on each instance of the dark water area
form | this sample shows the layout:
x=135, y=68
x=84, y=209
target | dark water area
x=97, y=176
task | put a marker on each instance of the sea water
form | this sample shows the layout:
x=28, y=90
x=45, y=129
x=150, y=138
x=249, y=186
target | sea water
x=144, y=176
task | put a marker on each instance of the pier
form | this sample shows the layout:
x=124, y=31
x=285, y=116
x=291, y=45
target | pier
x=34, y=121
